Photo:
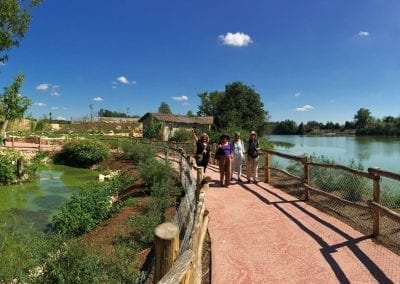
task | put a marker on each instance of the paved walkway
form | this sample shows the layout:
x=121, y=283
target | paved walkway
x=260, y=234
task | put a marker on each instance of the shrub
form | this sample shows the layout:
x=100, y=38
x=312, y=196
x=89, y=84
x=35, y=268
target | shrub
x=182, y=135
x=88, y=208
x=152, y=172
x=82, y=153
x=8, y=165
x=136, y=152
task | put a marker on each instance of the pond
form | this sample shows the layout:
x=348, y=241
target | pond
x=33, y=204
x=383, y=152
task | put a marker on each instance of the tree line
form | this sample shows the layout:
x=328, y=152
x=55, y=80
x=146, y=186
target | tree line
x=363, y=123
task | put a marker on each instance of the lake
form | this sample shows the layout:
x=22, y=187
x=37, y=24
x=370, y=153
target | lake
x=383, y=152
x=33, y=204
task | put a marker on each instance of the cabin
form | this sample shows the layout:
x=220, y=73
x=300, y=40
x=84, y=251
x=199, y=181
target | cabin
x=170, y=123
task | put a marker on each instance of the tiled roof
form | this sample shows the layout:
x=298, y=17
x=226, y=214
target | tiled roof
x=179, y=118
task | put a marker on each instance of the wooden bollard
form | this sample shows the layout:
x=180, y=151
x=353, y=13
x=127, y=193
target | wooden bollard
x=377, y=199
x=306, y=179
x=166, y=248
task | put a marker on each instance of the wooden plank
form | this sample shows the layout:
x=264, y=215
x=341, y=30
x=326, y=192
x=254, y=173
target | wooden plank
x=384, y=173
x=385, y=211
x=286, y=173
x=344, y=168
x=349, y=203
x=198, y=267
x=287, y=156
x=178, y=269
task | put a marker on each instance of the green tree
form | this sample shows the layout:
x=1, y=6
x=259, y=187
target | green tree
x=209, y=103
x=301, y=130
x=164, y=108
x=190, y=113
x=13, y=103
x=362, y=118
x=15, y=17
x=286, y=127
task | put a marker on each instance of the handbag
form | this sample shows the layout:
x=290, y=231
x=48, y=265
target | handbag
x=219, y=153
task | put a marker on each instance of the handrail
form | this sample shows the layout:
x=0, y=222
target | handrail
x=373, y=174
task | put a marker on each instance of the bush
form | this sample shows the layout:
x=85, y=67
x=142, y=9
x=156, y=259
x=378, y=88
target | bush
x=8, y=166
x=182, y=135
x=88, y=208
x=152, y=172
x=136, y=152
x=82, y=153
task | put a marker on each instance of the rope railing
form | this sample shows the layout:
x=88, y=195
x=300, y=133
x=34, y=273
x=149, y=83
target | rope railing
x=178, y=245
x=370, y=198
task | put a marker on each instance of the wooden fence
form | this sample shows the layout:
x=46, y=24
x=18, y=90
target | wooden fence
x=373, y=174
x=179, y=244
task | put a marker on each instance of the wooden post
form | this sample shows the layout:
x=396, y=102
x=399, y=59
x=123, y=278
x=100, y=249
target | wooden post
x=12, y=141
x=377, y=199
x=267, y=171
x=166, y=153
x=166, y=248
x=306, y=179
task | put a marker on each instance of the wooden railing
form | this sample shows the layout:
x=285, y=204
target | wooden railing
x=373, y=174
x=179, y=260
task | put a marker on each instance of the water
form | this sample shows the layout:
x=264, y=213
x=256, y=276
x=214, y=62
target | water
x=383, y=152
x=33, y=204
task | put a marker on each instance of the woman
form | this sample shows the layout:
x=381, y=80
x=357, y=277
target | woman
x=225, y=160
x=202, y=150
x=237, y=153
x=252, y=157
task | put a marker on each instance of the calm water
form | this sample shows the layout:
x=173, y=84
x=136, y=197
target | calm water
x=32, y=204
x=383, y=152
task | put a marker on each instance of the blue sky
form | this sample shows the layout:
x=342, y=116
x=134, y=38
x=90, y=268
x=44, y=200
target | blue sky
x=309, y=60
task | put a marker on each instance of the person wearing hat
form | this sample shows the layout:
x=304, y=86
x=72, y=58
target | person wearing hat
x=225, y=160
x=252, y=157
x=202, y=154
x=238, y=154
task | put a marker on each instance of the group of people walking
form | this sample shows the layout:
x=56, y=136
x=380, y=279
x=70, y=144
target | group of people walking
x=231, y=155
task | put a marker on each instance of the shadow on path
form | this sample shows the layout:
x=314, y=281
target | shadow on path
x=326, y=249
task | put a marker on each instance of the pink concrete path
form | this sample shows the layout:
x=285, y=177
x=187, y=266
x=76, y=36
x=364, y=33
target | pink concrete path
x=259, y=234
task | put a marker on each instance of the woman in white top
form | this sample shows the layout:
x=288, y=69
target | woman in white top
x=237, y=149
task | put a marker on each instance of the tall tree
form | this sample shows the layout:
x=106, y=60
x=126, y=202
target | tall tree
x=241, y=107
x=189, y=113
x=209, y=102
x=164, y=108
x=14, y=105
x=362, y=118
x=14, y=22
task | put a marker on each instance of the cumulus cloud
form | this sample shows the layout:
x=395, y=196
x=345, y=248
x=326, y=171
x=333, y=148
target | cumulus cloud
x=235, y=39
x=61, y=118
x=181, y=98
x=297, y=94
x=43, y=87
x=39, y=104
x=97, y=99
x=305, y=108
x=124, y=80
x=64, y=108
x=55, y=93
x=363, y=34
x=54, y=108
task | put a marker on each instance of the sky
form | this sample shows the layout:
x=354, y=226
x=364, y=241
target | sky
x=309, y=60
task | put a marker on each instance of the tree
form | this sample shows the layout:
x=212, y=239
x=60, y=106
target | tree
x=14, y=105
x=301, y=130
x=286, y=127
x=190, y=113
x=14, y=23
x=362, y=118
x=164, y=108
x=238, y=107
x=209, y=102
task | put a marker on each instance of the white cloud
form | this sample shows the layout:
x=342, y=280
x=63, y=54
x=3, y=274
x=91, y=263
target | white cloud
x=124, y=80
x=305, y=108
x=181, y=99
x=43, y=87
x=297, y=94
x=97, y=99
x=2, y=64
x=54, y=108
x=64, y=108
x=236, y=39
x=61, y=118
x=185, y=104
x=114, y=87
x=39, y=104
x=363, y=34
x=55, y=93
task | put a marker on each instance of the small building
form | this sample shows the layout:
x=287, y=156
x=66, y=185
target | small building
x=170, y=123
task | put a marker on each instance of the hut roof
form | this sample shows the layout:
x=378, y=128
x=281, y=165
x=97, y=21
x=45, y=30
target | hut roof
x=208, y=120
